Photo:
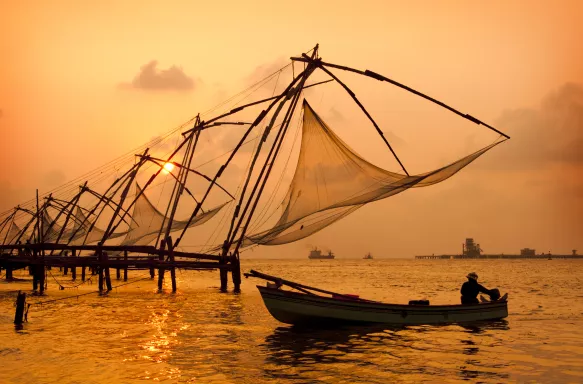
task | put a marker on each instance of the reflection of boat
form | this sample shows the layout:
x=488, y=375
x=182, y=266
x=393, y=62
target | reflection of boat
x=317, y=254
x=368, y=256
x=309, y=308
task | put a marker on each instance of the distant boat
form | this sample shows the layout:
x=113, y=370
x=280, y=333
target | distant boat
x=317, y=254
x=368, y=256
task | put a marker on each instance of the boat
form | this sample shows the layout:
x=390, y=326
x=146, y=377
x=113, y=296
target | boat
x=311, y=306
x=368, y=256
x=317, y=254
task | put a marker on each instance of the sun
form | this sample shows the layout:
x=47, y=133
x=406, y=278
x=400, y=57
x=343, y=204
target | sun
x=168, y=167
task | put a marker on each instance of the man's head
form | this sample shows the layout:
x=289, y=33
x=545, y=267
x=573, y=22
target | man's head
x=472, y=276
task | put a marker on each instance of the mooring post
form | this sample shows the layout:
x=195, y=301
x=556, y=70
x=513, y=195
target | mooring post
x=171, y=257
x=160, y=269
x=83, y=273
x=20, y=304
x=9, y=273
x=118, y=273
x=107, y=276
x=236, y=272
x=152, y=270
x=125, y=268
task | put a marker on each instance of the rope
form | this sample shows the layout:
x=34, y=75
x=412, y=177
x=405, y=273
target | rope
x=85, y=294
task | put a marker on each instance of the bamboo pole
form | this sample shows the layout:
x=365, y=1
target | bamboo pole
x=271, y=157
x=380, y=132
x=224, y=166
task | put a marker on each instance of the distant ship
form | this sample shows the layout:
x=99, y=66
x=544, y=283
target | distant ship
x=367, y=256
x=317, y=254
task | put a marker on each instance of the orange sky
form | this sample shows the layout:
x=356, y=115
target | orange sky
x=66, y=106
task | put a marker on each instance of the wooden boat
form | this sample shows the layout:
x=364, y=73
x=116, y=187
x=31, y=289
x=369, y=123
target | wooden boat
x=308, y=308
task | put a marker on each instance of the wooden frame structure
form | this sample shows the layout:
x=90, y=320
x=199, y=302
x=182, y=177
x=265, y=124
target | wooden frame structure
x=38, y=254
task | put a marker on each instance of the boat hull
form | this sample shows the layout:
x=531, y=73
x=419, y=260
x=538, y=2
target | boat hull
x=301, y=309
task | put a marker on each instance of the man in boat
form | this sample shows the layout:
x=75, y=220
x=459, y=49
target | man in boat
x=471, y=288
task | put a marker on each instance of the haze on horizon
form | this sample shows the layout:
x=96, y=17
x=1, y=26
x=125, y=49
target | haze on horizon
x=81, y=84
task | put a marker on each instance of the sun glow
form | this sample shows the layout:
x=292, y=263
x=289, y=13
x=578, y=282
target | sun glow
x=168, y=167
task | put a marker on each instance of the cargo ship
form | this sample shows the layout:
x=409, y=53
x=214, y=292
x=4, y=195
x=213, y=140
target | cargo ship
x=317, y=254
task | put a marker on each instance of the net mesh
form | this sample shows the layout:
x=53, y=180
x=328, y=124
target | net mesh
x=331, y=181
x=12, y=234
x=147, y=221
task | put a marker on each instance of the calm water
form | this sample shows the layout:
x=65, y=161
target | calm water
x=136, y=335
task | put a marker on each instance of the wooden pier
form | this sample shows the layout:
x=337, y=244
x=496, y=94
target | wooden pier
x=501, y=256
x=472, y=250
x=100, y=259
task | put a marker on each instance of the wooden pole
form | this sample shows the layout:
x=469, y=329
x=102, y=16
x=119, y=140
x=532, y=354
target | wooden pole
x=171, y=256
x=161, y=270
x=224, y=275
x=20, y=304
x=74, y=268
x=32, y=269
x=118, y=273
x=83, y=273
x=125, y=268
x=152, y=271
x=236, y=272
x=107, y=276
x=41, y=277
x=100, y=270
x=9, y=273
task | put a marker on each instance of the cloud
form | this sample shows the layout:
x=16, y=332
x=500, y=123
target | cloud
x=262, y=71
x=150, y=78
x=542, y=137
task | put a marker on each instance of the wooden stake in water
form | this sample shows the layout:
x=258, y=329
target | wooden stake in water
x=20, y=305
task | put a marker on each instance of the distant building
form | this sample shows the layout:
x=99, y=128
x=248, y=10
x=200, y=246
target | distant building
x=471, y=249
x=527, y=252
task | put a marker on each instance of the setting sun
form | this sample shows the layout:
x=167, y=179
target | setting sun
x=168, y=167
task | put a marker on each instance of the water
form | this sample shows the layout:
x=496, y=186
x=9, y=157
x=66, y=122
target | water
x=136, y=335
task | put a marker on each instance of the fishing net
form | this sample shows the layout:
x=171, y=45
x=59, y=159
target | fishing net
x=147, y=221
x=12, y=234
x=331, y=181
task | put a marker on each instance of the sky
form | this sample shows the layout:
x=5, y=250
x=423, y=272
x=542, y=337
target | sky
x=82, y=83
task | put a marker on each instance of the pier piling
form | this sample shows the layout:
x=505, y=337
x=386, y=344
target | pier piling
x=20, y=304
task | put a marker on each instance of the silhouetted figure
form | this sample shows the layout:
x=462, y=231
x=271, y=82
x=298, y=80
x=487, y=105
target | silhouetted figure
x=471, y=288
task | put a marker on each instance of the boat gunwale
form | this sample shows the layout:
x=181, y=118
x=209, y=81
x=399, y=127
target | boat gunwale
x=316, y=299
